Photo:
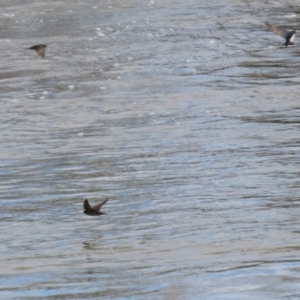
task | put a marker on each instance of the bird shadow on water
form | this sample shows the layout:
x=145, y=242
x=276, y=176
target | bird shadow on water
x=91, y=245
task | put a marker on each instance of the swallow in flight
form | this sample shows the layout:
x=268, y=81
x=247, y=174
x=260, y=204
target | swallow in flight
x=288, y=35
x=40, y=49
x=93, y=210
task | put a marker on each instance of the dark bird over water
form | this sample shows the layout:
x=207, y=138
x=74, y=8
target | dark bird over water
x=94, y=210
x=288, y=35
x=40, y=49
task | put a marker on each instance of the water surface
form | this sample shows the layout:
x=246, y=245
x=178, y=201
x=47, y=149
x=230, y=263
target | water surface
x=186, y=115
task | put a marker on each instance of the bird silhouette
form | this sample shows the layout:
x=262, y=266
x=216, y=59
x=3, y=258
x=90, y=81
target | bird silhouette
x=40, y=49
x=288, y=35
x=93, y=210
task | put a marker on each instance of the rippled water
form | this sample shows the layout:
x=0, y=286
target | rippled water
x=185, y=114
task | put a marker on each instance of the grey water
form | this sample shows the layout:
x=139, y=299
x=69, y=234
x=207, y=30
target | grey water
x=185, y=114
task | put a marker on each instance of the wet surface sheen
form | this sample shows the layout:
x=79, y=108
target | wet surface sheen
x=185, y=114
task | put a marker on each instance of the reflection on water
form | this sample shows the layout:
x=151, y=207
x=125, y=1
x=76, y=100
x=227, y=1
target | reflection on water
x=185, y=115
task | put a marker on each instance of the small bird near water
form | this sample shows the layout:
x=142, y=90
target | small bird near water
x=93, y=210
x=40, y=49
x=288, y=35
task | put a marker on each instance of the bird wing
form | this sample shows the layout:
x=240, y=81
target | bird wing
x=278, y=30
x=98, y=206
x=41, y=51
x=86, y=205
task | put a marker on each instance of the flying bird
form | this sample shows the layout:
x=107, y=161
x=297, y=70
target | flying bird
x=40, y=49
x=93, y=210
x=288, y=35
